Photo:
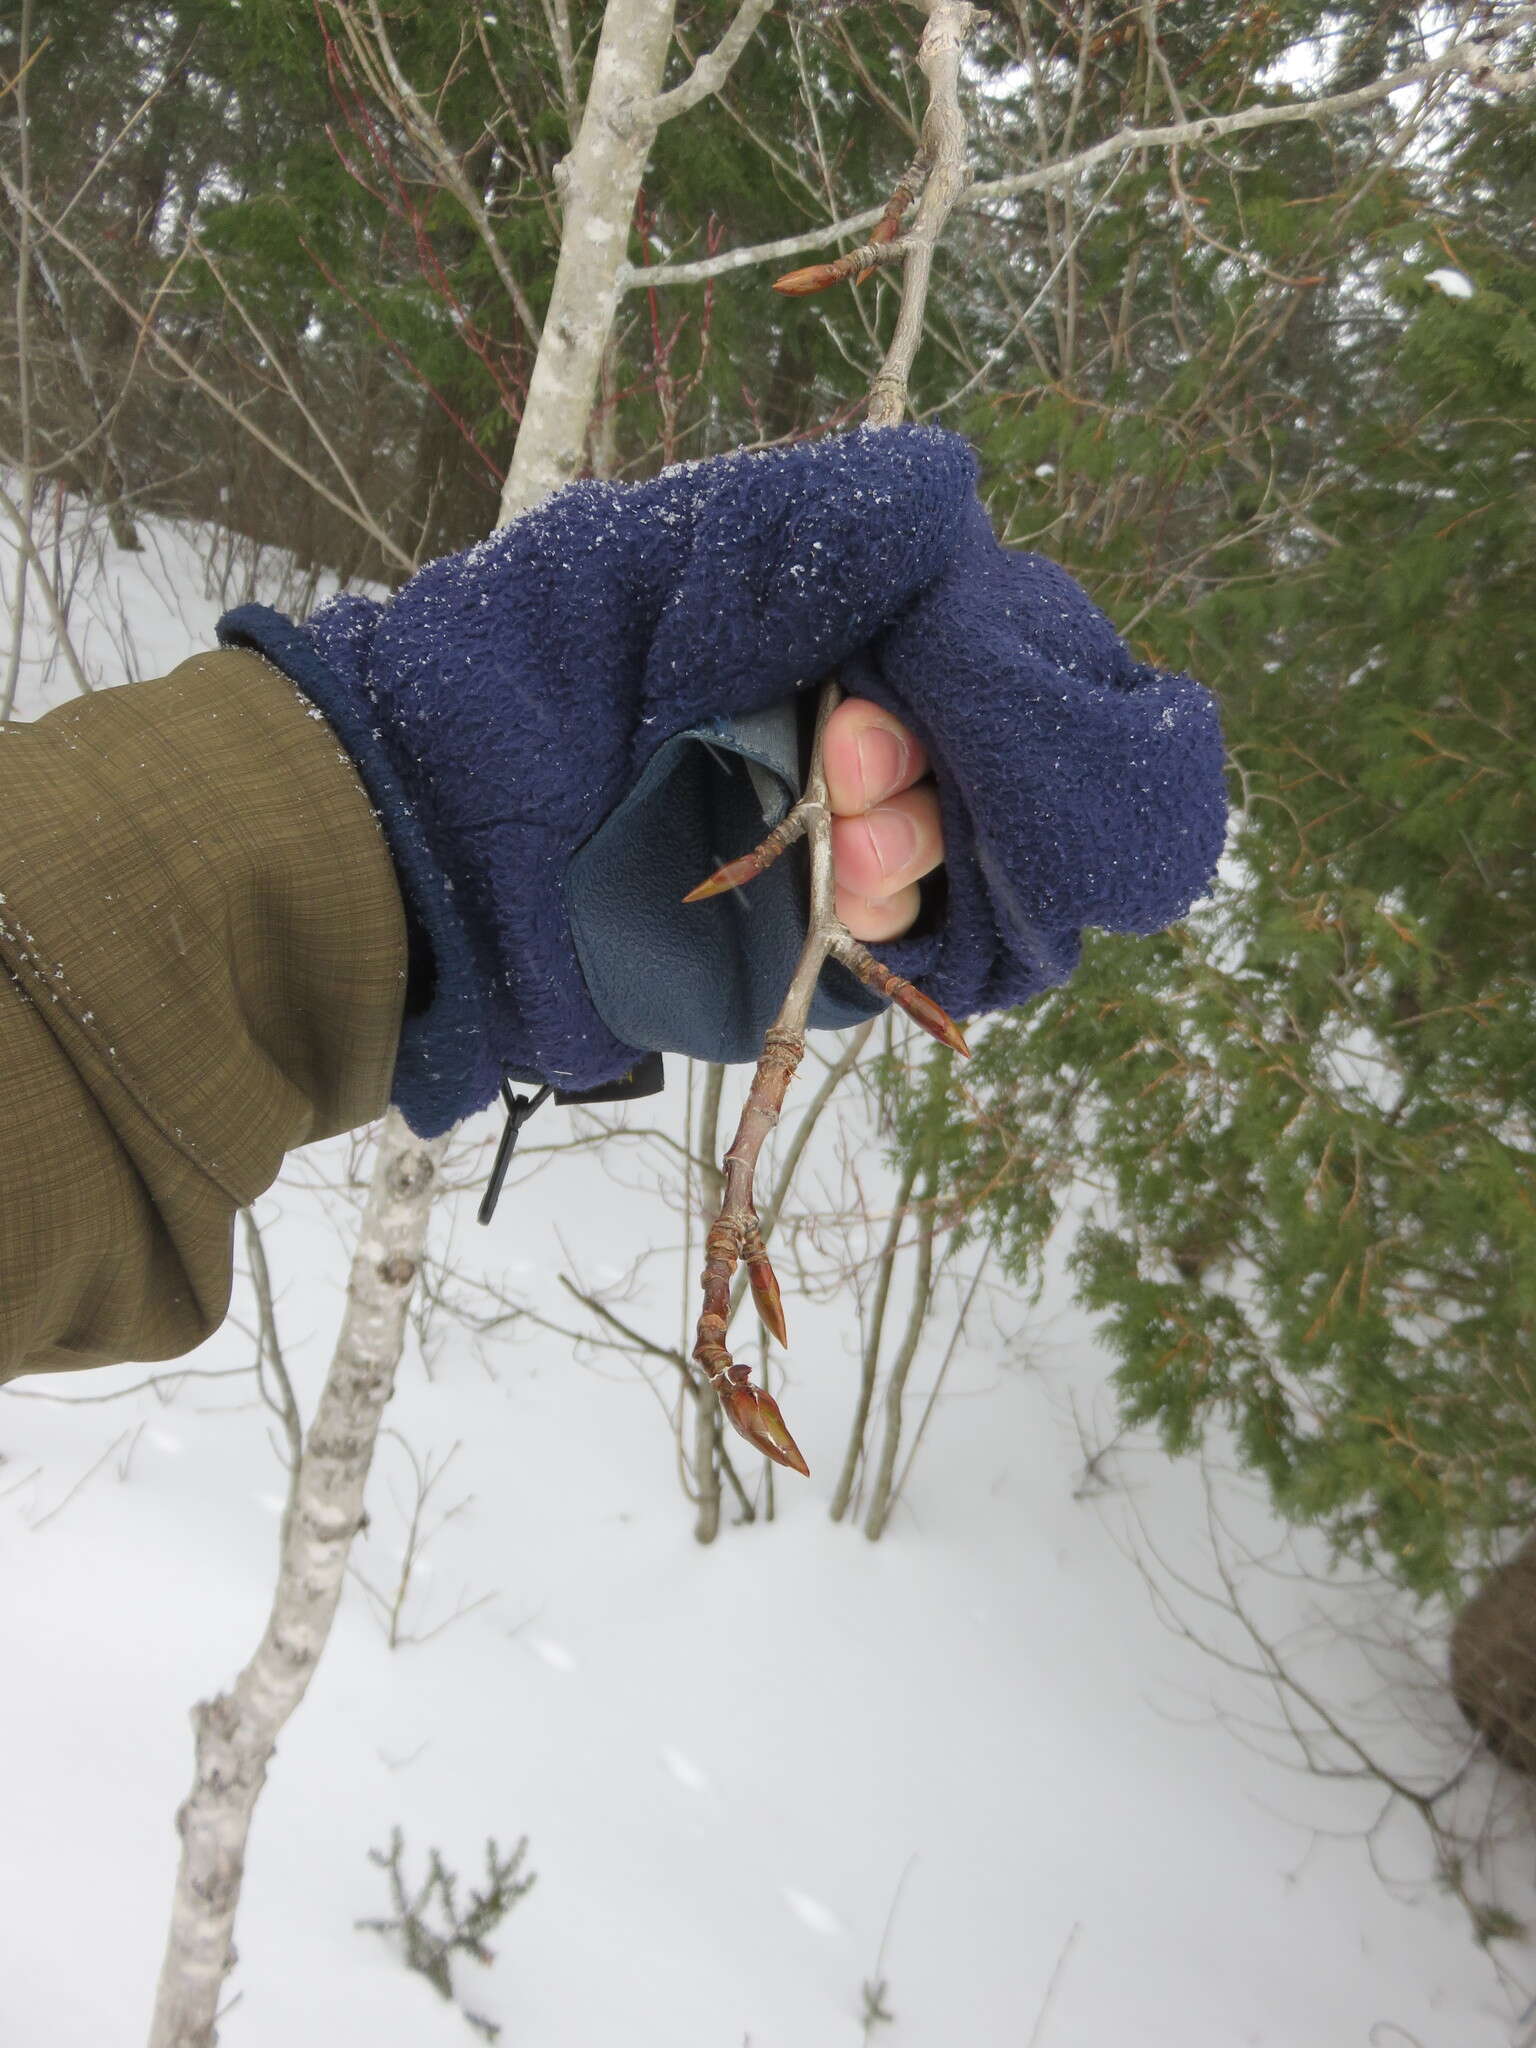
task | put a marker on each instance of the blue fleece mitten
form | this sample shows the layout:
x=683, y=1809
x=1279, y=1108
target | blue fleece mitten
x=567, y=726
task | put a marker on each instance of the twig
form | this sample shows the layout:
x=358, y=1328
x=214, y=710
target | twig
x=876, y=2011
x=407, y=105
x=880, y=248
x=938, y=57
x=736, y=1234
x=941, y=1375
x=708, y=1448
x=391, y=1607
x=29, y=553
x=195, y=377
x=237, y=1732
x=83, y=1481
x=270, y=1350
x=1051, y=1988
x=1469, y=57
x=638, y=1341
x=769, y=1216
x=273, y=353
x=917, y=1316
x=712, y=69
x=843, y=1492
x=557, y=18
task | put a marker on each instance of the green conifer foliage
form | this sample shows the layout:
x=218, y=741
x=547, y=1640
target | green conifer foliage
x=1306, y=1114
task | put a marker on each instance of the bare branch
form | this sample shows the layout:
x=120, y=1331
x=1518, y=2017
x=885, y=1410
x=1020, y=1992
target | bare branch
x=1470, y=58
x=843, y=1492
x=557, y=17
x=938, y=56
x=736, y=1234
x=201, y=383
x=269, y=1350
x=273, y=355
x=416, y=115
x=896, y=1387
x=28, y=554
x=711, y=70
x=31, y=556
x=599, y=183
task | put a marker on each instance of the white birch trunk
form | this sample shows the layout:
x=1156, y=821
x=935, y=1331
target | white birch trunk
x=237, y=1732
x=599, y=183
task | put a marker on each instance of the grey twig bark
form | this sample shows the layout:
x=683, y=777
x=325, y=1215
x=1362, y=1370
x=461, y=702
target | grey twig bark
x=938, y=56
x=708, y=1443
x=29, y=554
x=712, y=69
x=269, y=1352
x=870, y=1363
x=22, y=514
x=880, y=1499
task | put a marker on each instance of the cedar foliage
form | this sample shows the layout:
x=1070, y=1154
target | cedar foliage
x=1306, y=1113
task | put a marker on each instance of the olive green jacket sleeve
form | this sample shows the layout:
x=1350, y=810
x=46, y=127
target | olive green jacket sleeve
x=202, y=965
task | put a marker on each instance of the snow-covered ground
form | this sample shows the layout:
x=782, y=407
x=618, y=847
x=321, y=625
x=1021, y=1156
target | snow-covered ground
x=974, y=1759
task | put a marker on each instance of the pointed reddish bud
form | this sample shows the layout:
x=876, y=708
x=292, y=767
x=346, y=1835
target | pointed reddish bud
x=933, y=1017
x=756, y=1416
x=731, y=876
x=757, y=861
x=897, y=989
x=766, y=1296
x=799, y=284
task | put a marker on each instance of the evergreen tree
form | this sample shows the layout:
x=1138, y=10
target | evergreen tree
x=1307, y=1112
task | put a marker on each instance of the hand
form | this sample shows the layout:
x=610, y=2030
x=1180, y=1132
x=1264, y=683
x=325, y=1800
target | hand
x=885, y=827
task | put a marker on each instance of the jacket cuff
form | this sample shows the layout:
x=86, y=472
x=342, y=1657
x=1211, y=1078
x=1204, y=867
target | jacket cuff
x=205, y=950
x=443, y=1071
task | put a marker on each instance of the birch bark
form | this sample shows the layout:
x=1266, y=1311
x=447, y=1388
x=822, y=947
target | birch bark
x=237, y=1733
x=599, y=183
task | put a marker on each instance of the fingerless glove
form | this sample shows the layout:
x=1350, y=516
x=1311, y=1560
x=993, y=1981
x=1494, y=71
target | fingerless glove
x=567, y=726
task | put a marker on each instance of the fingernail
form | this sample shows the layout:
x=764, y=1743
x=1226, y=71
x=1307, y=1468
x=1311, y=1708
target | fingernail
x=882, y=761
x=894, y=838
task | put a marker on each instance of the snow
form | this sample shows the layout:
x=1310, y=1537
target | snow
x=974, y=1759
x=1454, y=283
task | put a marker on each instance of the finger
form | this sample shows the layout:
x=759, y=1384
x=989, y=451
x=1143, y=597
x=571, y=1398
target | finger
x=868, y=756
x=880, y=851
x=877, y=922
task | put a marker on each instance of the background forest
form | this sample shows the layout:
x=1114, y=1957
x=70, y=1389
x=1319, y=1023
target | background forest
x=1270, y=398
x=1267, y=389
